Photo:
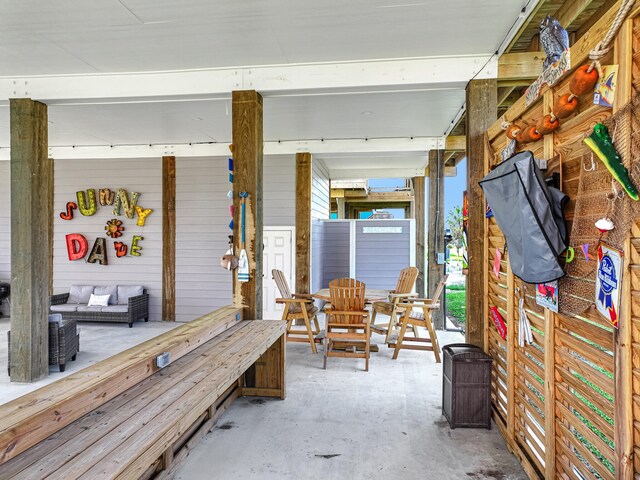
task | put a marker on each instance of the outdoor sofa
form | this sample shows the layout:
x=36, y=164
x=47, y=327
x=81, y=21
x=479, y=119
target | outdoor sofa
x=126, y=304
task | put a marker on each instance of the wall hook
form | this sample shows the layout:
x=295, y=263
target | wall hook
x=593, y=165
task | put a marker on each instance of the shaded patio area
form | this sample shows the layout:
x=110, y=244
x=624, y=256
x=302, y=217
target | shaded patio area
x=346, y=423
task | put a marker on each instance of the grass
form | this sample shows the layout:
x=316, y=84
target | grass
x=456, y=300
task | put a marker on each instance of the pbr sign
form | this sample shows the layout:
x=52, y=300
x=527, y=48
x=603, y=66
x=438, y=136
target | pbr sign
x=608, y=283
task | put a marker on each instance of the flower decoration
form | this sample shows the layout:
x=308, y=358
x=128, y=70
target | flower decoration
x=114, y=228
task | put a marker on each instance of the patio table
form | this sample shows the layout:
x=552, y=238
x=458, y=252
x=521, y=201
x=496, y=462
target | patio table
x=371, y=295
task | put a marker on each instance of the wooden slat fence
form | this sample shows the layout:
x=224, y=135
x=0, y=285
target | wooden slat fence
x=558, y=401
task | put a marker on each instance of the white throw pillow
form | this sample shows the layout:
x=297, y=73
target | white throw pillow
x=98, y=300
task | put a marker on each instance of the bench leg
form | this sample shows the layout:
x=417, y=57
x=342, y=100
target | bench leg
x=269, y=373
x=63, y=367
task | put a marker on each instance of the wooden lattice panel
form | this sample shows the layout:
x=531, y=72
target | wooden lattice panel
x=560, y=390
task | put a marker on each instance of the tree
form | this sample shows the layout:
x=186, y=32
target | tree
x=454, y=223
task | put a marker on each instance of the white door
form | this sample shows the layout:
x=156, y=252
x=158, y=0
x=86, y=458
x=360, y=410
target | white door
x=278, y=253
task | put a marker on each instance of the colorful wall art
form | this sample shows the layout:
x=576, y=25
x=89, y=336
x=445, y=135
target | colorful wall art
x=125, y=206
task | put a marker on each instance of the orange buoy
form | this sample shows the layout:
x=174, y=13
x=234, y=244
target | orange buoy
x=584, y=80
x=513, y=130
x=547, y=124
x=566, y=106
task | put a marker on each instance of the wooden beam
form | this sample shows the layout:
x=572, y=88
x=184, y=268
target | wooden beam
x=31, y=213
x=303, y=222
x=623, y=338
x=449, y=171
x=570, y=10
x=435, y=229
x=520, y=66
x=420, y=216
x=456, y=143
x=247, y=178
x=506, y=93
x=389, y=197
x=449, y=156
x=524, y=26
x=169, y=239
x=482, y=106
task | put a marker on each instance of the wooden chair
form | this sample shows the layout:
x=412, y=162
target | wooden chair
x=297, y=306
x=404, y=287
x=347, y=320
x=415, y=319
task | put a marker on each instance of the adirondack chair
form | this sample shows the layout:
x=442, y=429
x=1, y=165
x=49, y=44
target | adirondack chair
x=347, y=320
x=297, y=306
x=410, y=318
x=404, y=287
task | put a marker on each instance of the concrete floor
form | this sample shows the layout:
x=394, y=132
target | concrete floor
x=97, y=342
x=344, y=423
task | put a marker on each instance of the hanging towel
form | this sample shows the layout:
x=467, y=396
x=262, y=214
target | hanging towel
x=243, y=267
x=524, y=332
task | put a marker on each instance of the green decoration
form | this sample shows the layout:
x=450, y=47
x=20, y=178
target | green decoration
x=600, y=142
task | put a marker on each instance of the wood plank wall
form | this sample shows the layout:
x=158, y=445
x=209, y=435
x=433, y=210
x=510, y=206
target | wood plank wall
x=555, y=401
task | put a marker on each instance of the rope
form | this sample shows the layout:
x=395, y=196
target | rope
x=505, y=125
x=602, y=48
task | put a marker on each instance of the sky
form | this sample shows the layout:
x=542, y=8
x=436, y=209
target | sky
x=453, y=188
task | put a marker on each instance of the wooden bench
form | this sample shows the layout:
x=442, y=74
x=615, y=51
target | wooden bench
x=145, y=429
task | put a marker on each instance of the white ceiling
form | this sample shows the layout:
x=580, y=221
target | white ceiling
x=107, y=36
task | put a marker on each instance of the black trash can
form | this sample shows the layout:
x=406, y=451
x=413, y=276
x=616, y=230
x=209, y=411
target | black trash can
x=466, y=386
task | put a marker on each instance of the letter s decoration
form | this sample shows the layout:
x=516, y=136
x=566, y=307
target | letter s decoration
x=68, y=215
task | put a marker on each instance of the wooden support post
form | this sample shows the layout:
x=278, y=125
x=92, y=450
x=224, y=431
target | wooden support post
x=169, y=239
x=420, y=216
x=303, y=222
x=482, y=108
x=247, y=177
x=435, y=232
x=341, y=208
x=31, y=213
x=51, y=177
x=623, y=374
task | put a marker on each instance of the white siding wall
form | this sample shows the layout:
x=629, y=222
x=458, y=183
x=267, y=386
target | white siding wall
x=202, y=218
x=5, y=229
x=279, y=191
x=320, y=191
x=320, y=210
x=202, y=224
x=139, y=175
x=202, y=230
